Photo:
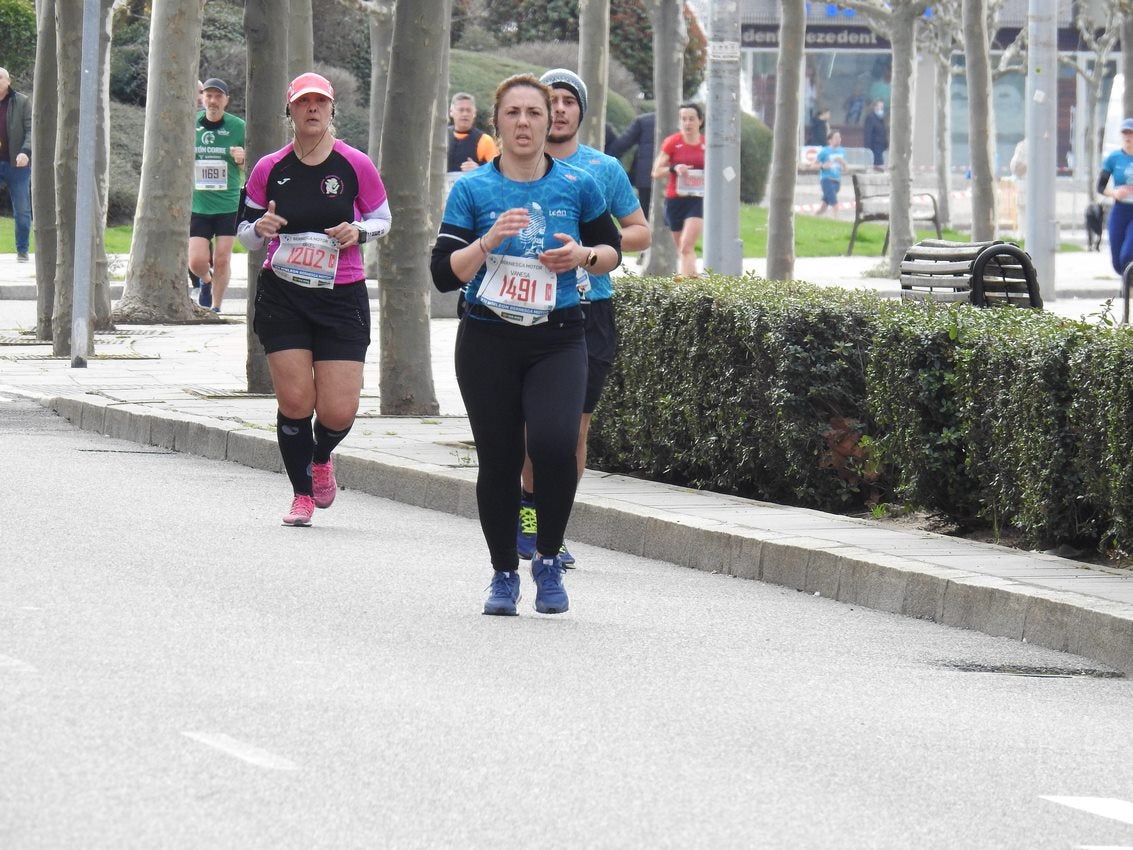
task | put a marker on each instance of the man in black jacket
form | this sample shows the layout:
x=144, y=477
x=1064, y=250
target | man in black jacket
x=876, y=133
x=468, y=147
x=639, y=133
x=15, y=158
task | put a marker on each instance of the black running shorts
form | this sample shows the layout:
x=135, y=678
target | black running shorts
x=601, y=346
x=678, y=209
x=208, y=226
x=333, y=324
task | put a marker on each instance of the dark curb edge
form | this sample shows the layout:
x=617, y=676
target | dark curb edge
x=1062, y=620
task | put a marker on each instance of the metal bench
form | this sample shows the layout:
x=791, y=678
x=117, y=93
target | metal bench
x=985, y=274
x=871, y=203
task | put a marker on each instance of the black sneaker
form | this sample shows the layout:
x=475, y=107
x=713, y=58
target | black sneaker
x=205, y=298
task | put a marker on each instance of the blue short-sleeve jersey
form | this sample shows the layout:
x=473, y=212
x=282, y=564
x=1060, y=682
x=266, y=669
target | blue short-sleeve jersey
x=621, y=200
x=1120, y=165
x=558, y=202
x=835, y=156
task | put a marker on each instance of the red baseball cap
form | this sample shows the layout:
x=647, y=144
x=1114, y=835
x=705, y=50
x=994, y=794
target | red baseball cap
x=308, y=83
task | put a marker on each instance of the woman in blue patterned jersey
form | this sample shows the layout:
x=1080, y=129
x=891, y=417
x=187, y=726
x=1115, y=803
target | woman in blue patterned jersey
x=514, y=234
x=1119, y=166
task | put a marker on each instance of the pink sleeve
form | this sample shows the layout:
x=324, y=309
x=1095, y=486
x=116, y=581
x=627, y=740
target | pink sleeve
x=256, y=187
x=371, y=190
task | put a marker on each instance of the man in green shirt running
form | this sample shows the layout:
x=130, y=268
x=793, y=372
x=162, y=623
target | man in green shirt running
x=217, y=161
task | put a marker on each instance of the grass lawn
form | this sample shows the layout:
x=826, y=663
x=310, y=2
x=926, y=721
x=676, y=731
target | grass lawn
x=117, y=238
x=824, y=236
x=814, y=236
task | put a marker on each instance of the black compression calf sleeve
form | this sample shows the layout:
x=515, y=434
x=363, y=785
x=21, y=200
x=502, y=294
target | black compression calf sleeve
x=326, y=441
x=296, y=446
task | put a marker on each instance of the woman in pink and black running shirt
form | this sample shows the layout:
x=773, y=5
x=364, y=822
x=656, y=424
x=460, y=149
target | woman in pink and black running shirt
x=313, y=203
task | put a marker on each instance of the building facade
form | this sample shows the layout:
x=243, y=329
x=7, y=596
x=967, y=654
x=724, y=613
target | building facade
x=848, y=66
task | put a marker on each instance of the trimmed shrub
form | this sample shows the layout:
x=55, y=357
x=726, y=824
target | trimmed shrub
x=17, y=22
x=828, y=399
x=480, y=73
x=755, y=158
x=738, y=385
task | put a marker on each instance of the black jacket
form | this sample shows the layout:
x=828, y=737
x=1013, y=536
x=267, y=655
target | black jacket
x=876, y=135
x=19, y=124
x=640, y=133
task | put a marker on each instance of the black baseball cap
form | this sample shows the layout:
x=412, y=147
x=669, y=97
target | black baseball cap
x=218, y=84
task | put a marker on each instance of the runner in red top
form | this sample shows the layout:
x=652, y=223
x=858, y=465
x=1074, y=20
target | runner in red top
x=682, y=159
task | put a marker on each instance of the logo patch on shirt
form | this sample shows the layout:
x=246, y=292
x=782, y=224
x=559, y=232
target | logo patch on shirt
x=331, y=186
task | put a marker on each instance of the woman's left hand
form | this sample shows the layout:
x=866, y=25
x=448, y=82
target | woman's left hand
x=559, y=260
x=346, y=234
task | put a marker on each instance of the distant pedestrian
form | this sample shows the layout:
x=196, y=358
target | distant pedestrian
x=639, y=135
x=313, y=203
x=468, y=146
x=217, y=179
x=1119, y=166
x=831, y=161
x=819, y=128
x=876, y=133
x=682, y=158
x=15, y=159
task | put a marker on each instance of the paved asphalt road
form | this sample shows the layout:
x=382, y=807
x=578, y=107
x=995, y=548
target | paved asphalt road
x=178, y=670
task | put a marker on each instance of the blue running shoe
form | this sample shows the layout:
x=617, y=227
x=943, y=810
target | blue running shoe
x=205, y=296
x=503, y=594
x=528, y=528
x=566, y=557
x=550, y=595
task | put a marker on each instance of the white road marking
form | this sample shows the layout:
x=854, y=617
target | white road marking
x=242, y=750
x=1106, y=807
x=14, y=665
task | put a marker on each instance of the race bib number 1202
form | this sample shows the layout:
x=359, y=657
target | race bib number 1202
x=308, y=259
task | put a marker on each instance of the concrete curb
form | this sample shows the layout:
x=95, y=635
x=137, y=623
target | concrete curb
x=1098, y=629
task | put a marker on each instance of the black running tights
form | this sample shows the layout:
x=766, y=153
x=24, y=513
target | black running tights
x=509, y=377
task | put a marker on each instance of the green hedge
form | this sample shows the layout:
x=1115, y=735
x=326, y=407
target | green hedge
x=836, y=400
x=480, y=74
x=755, y=158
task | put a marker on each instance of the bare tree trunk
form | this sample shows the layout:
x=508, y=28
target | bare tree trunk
x=981, y=124
x=100, y=267
x=420, y=39
x=669, y=40
x=44, y=121
x=594, y=67
x=300, y=39
x=381, y=14
x=943, y=89
x=1127, y=61
x=785, y=143
x=904, y=37
x=69, y=44
x=266, y=132
x=442, y=305
x=155, y=290
x=1088, y=169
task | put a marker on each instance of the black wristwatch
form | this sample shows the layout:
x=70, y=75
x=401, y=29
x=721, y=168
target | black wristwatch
x=592, y=259
x=361, y=234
